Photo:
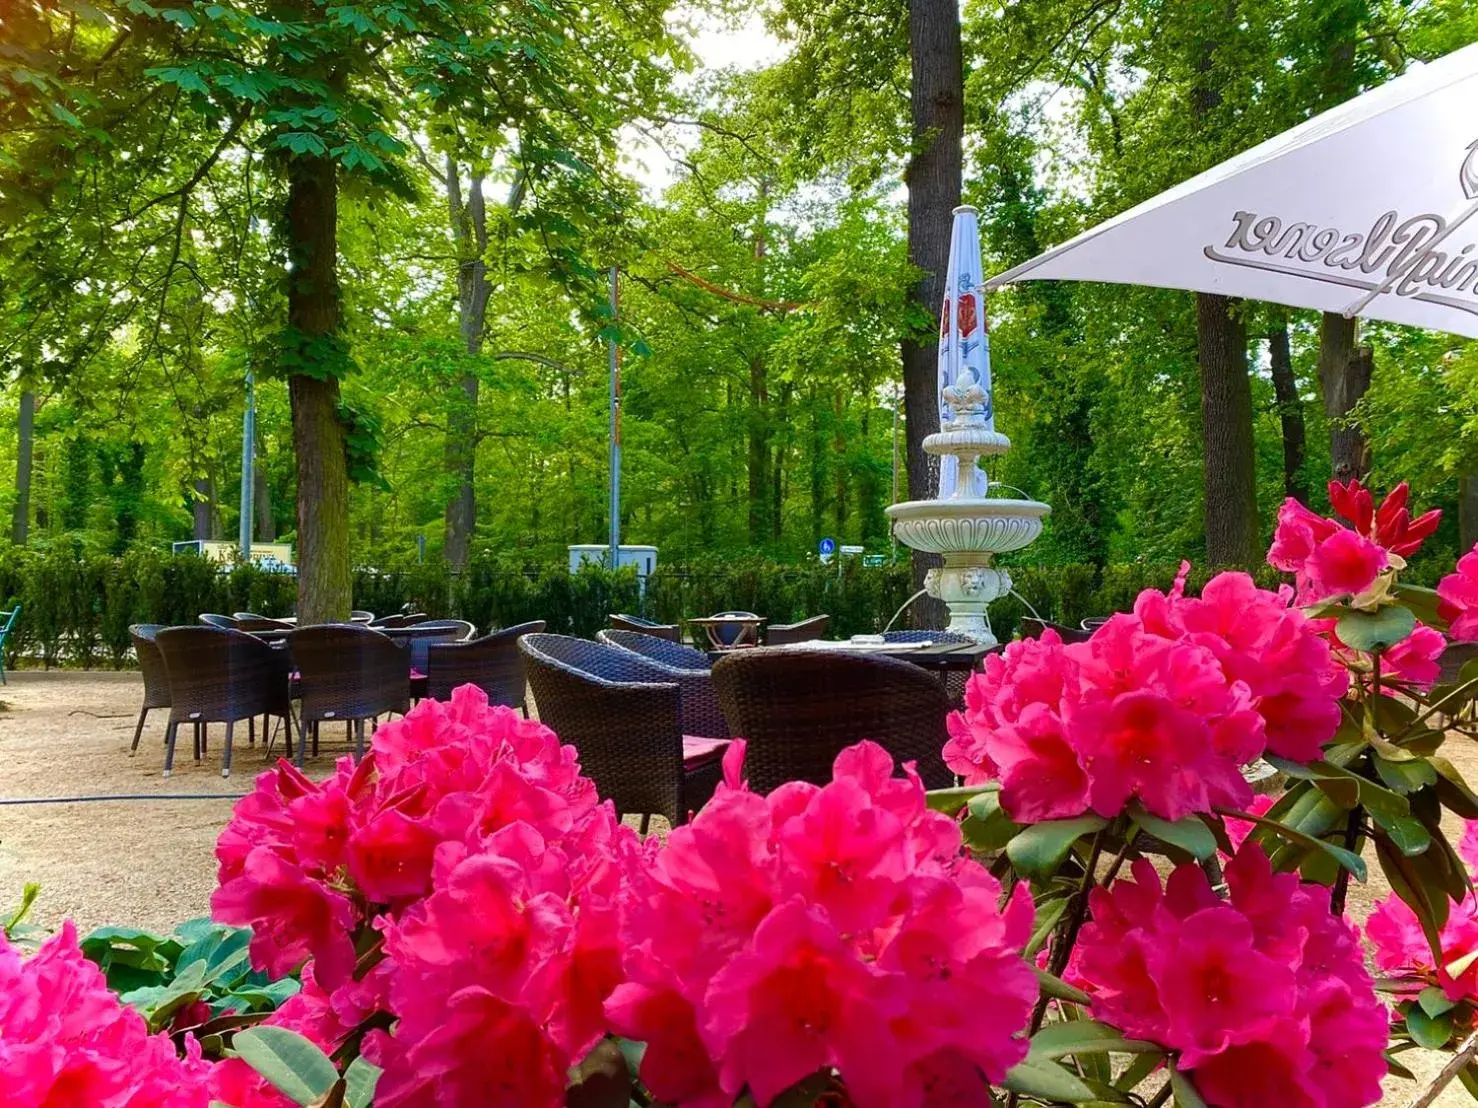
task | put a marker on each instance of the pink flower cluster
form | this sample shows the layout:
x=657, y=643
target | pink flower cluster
x=836, y=926
x=1164, y=705
x=1264, y=997
x=1401, y=947
x=1329, y=559
x=66, y=1041
x=470, y=841
x=1457, y=595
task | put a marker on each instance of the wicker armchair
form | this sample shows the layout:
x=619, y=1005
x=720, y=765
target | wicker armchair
x=622, y=622
x=417, y=639
x=738, y=633
x=492, y=663
x=220, y=675
x=657, y=648
x=255, y=625
x=799, y=709
x=348, y=673
x=154, y=672
x=399, y=619
x=357, y=616
x=625, y=722
x=214, y=619
x=687, y=667
x=1093, y=623
x=784, y=634
x=953, y=680
x=1032, y=628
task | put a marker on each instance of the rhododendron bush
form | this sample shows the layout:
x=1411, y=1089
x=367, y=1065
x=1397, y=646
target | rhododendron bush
x=1136, y=895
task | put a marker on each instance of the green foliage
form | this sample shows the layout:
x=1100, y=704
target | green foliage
x=168, y=978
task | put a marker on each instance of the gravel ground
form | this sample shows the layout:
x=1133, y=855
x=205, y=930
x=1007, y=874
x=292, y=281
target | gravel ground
x=150, y=863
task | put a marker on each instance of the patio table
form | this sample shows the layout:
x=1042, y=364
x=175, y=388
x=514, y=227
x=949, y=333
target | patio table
x=947, y=656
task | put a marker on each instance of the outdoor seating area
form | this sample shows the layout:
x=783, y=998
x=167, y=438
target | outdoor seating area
x=234, y=670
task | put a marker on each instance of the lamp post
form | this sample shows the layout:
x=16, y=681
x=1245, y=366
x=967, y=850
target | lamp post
x=615, y=419
x=248, y=447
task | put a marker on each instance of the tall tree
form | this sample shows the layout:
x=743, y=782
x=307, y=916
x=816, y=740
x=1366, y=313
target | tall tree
x=1290, y=409
x=20, y=527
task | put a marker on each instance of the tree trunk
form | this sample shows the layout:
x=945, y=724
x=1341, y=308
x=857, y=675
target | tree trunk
x=470, y=231
x=761, y=527
x=1290, y=412
x=313, y=314
x=1467, y=512
x=1344, y=376
x=202, y=507
x=266, y=525
x=1226, y=418
x=20, y=526
x=933, y=176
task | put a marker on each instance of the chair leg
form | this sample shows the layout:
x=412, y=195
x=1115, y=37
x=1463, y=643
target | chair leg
x=226, y=754
x=315, y=738
x=646, y=821
x=302, y=743
x=358, y=739
x=288, y=720
x=169, y=738
x=195, y=732
x=251, y=731
x=138, y=731
x=348, y=730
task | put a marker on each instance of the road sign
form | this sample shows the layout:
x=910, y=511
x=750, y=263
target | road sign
x=828, y=547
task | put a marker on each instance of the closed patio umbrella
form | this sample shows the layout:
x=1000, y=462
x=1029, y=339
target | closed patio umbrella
x=1368, y=209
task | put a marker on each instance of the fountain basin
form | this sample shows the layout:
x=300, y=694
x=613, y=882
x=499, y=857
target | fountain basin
x=962, y=525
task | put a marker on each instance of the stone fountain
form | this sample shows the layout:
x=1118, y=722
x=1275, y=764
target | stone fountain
x=963, y=523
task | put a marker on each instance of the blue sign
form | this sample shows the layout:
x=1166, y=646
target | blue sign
x=828, y=546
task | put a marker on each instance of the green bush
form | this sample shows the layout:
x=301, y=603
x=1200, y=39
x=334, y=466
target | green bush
x=78, y=604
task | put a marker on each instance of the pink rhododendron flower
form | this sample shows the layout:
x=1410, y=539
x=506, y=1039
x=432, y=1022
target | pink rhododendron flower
x=468, y=838
x=1457, y=595
x=1415, y=658
x=1329, y=559
x=1402, y=947
x=67, y=1041
x=1164, y=705
x=836, y=926
x=1264, y=995
x=1239, y=829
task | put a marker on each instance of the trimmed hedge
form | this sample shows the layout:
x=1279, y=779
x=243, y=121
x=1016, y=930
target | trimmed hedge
x=77, y=606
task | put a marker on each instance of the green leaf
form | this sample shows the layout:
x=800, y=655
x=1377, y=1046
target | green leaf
x=1406, y=776
x=1408, y=833
x=360, y=1079
x=1452, y=789
x=1372, y=631
x=1040, y=849
x=1423, y=603
x=293, y=1065
x=1059, y=989
x=1047, y=1081
x=1351, y=861
x=950, y=801
x=1185, y=1093
x=1189, y=834
x=1048, y=916
x=1410, y=886
x=1058, y=1040
x=1434, y=1001
x=1137, y=1070
x=1432, y=1032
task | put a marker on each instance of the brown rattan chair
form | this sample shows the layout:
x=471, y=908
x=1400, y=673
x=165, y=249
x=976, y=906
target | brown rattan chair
x=213, y=619
x=1093, y=623
x=798, y=709
x=357, y=616
x=154, y=672
x=1032, y=628
x=398, y=619
x=689, y=668
x=220, y=675
x=255, y=625
x=624, y=720
x=417, y=639
x=623, y=622
x=953, y=680
x=347, y=673
x=492, y=663
x=807, y=630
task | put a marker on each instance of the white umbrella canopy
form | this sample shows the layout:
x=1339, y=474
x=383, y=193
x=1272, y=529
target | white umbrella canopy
x=1367, y=209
